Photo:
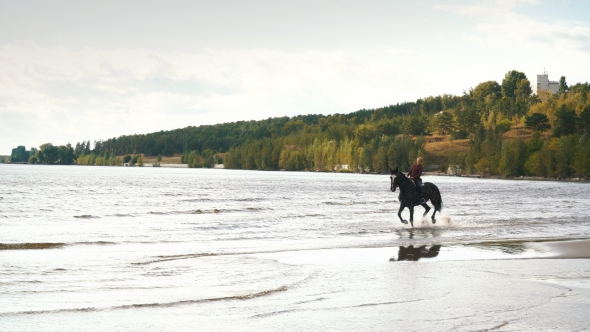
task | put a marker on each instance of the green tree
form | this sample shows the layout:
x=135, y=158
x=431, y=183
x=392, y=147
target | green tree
x=485, y=89
x=50, y=152
x=566, y=155
x=19, y=154
x=562, y=85
x=523, y=89
x=445, y=123
x=565, y=122
x=159, y=159
x=415, y=125
x=537, y=122
x=510, y=82
x=503, y=126
x=365, y=133
x=65, y=154
x=582, y=162
x=514, y=155
x=292, y=127
x=467, y=122
x=585, y=119
x=126, y=158
x=33, y=159
x=388, y=128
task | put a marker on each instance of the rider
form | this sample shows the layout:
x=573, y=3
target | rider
x=414, y=174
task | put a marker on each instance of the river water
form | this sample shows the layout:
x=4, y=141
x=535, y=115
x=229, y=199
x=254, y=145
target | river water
x=135, y=249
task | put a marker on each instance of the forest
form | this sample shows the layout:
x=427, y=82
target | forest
x=504, y=128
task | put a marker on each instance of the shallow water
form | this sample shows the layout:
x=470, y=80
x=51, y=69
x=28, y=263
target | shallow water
x=175, y=249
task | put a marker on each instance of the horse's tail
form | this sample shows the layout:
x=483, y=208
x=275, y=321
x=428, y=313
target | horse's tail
x=435, y=198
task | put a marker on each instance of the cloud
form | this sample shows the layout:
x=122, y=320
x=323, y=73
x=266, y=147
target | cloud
x=498, y=22
x=62, y=95
x=59, y=94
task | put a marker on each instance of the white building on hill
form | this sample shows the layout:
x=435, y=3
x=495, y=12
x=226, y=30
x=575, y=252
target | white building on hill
x=543, y=83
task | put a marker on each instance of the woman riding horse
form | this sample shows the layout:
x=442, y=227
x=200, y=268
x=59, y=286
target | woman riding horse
x=409, y=195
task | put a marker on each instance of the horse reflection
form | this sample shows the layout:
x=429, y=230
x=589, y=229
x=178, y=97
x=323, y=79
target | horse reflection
x=413, y=254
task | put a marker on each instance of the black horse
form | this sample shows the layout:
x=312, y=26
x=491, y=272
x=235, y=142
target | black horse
x=409, y=196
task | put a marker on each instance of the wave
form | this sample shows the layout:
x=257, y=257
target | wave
x=197, y=255
x=349, y=202
x=197, y=200
x=28, y=246
x=199, y=211
x=203, y=211
x=249, y=199
x=47, y=245
x=224, y=200
x=339, y=203
x=152, y=305
x=36, y=312
x=86, y=216
x=225, y=298
x=93, y=243
x=177, y=257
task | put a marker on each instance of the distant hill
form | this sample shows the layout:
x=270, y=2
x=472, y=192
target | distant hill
x=497, y=129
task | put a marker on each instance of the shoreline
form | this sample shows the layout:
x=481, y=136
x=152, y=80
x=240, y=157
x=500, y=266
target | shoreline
x=474, y=176
x=496, y=177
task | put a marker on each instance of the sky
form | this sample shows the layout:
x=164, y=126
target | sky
x=90, y=70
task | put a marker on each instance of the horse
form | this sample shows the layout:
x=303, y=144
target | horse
x=410, y=197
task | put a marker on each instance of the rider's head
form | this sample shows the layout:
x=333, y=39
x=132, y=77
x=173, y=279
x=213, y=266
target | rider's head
x=419, y=161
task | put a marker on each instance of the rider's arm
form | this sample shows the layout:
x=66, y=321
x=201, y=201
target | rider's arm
x=410, y=172
x=418, y=172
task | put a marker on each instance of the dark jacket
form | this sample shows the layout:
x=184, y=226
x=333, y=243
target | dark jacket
x=415, y=172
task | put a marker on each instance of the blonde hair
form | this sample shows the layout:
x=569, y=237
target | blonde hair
x=420, y=159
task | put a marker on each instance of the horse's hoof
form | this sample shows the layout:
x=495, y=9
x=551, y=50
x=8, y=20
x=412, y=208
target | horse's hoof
x=433, y=221
x=405, y=222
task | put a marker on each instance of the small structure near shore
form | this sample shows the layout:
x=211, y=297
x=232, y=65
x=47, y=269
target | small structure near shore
x=454, y=170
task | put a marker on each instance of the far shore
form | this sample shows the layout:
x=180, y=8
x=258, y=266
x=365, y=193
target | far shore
x=476, y=176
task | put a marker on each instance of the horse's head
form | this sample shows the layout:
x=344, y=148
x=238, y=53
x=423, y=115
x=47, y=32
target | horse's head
x=396, y=178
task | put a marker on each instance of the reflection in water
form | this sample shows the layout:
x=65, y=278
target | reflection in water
x=413, y=254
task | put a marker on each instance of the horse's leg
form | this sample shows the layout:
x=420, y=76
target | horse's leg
x=426, y=208
x=433, y=219
x=399, y=214
x=411, y=215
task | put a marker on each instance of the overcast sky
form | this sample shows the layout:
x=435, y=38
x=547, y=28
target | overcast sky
x=89, y=70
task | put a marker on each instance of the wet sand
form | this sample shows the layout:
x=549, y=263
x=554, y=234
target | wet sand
x=568, y=249
x=503, y=286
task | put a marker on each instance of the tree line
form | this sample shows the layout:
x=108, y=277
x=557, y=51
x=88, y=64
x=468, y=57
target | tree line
x=373, y=140
x=483, y=115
